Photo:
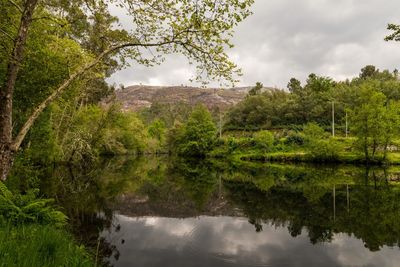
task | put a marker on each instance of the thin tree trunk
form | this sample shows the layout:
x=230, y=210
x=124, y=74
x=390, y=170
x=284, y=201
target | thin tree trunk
x=385, y=149
x=7, y=90
x=374, y=147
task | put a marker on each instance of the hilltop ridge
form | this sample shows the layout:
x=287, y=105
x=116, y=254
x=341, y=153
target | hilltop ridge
x=137, y=97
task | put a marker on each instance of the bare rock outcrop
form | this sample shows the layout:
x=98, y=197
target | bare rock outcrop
x=136, y=97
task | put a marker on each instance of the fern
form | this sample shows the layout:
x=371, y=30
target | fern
x=4, y=191
x=28, y=208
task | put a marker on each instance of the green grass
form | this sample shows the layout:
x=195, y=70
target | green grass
x=38, y=245
x=346, y=153
x=298, y=156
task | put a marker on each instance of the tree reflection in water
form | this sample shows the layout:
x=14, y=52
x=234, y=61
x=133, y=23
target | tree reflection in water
x=320, y=201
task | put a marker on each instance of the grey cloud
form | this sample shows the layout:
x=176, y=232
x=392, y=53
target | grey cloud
x=228, y=241
x=286, y=38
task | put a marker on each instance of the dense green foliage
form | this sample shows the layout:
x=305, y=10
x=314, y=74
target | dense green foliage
x=298, y=120
x=264, y=140
x=32, y=233
x=197, y=136
x=65, y=62
x=320, y=146
x=376, y=121
x=275, y=108
x=366, y=108
x=28, y=208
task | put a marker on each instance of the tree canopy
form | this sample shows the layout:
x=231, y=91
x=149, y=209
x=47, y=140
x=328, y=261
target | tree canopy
x=50, y=46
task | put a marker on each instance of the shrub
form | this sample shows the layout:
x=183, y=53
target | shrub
x=246, y=142
x=157, y=129
x=232, y=144
x=320, y=147
x=313, y=131
x=294, y=138
x=199, y=133
x=264, y=140
x=95, y=131
x=174, y=136
x=324, y=150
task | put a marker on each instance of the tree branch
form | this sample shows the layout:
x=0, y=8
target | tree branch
x=6, y=34
x=16, y=6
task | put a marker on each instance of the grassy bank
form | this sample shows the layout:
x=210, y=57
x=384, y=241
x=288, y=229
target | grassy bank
x=33, y=233
x=265, y=147
x=302, y=156
x=346, y=158
x=39, y=245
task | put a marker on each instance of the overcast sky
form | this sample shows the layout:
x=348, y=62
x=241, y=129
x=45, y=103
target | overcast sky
x=293, y=38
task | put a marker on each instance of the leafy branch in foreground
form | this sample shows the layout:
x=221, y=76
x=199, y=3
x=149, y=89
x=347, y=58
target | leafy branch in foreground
x=395, y=35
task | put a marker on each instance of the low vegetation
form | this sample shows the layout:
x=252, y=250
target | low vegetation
x=35, y=245
x=32, y=233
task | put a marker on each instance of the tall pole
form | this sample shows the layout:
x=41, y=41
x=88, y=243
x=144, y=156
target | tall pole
x=348, y=198
x=334, y=203
x=333, y=118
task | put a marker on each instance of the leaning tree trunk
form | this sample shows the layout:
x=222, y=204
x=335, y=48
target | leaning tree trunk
x=9, y=145
x=7, y=152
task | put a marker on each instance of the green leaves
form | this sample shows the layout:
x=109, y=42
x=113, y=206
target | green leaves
x=264, y=140
x=395, y=35
x=200, y=30
x=375, y=121
x=27, y=208
x=197, y=136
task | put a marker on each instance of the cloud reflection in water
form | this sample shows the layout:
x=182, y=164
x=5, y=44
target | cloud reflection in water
x=229, y=241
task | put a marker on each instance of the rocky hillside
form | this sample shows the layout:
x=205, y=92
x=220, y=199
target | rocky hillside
x=140, y=96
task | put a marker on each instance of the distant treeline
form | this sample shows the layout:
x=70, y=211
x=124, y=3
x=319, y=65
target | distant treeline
x=311, y=102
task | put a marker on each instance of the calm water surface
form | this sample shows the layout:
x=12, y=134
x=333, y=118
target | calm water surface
x=170, y=212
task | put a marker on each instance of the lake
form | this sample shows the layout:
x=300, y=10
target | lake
x=161, y=211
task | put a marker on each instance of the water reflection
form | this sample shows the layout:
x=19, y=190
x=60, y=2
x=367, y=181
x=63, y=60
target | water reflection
x=170, y=212
x=229, y=241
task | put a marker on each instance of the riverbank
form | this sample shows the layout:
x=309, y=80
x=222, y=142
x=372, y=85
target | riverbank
x=343, y=158
x=336, y=150
x=34, y=232
x=36, y=245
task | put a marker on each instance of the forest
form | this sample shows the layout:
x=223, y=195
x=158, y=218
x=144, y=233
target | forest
x=56, y=108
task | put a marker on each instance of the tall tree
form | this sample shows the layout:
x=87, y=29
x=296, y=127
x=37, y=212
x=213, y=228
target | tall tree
x=374, y=121
x=199, y=133
x=256, y=90
x=7, y=148
x=198, y=29
x=294, y=85
x=368, y=72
